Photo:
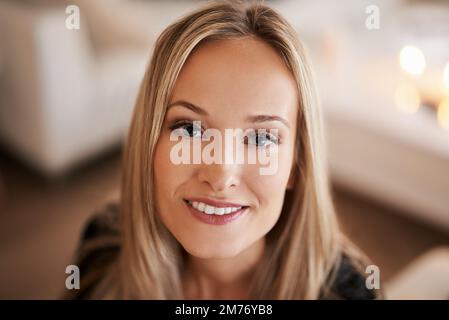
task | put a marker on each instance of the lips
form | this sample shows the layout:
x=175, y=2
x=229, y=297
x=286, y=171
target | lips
x=214, y=212
x=215, y=203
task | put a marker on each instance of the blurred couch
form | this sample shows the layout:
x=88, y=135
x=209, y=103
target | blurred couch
x=67, y=95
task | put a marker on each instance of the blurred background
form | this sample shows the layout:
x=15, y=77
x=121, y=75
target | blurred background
x=67, y=93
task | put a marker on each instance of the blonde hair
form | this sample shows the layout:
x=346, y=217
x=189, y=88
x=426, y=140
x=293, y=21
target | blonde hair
x=304, y=245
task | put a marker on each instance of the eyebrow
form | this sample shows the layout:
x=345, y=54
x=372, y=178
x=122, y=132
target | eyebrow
x=266, y=118
x=252, y=119
x=188, y=105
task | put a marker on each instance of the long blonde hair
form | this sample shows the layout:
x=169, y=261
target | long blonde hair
x=304, y=245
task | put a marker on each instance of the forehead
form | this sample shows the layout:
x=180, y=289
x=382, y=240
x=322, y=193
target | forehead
x=238, y=75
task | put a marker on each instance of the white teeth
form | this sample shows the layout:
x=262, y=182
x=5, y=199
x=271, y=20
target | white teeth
x=208, y=209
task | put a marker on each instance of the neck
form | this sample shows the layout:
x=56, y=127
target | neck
x=222, y=278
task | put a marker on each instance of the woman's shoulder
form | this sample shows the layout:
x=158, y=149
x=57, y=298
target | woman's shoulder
x=103, y=223
x=97, y=251
x=348, y=281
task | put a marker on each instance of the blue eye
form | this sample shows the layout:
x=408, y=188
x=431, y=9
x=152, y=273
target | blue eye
x=187, y=129
x=262, y=139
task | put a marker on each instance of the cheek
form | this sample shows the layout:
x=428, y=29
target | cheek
x=270, y=189
x=168, y=176
x=272, y=181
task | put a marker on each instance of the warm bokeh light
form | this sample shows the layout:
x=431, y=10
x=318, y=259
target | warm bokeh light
x=407, y=98
x=443, y=114
x=412, y=60
x=446, y=76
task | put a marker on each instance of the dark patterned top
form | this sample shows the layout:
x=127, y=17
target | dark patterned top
x=100, y=244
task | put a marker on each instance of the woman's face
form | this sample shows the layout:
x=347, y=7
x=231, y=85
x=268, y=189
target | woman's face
x=227, y=84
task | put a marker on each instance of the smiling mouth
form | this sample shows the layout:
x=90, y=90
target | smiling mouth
x=209, y=209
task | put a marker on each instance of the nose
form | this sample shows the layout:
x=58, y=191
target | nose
x=219, y=177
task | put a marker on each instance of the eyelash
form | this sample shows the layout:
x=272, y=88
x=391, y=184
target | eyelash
x=182, y=123
x=177, y=124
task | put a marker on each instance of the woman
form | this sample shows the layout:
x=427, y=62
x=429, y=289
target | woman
x=223, y=230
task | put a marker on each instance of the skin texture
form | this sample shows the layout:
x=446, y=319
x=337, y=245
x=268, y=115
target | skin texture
x=230, y=80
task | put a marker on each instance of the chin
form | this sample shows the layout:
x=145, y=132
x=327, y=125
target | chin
x=211, y=251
